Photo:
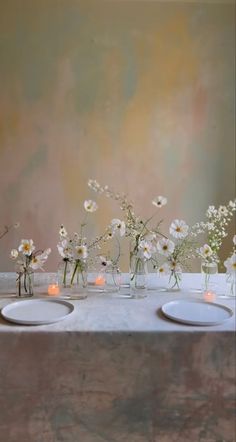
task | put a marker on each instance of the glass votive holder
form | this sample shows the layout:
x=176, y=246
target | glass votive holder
x=53, y=288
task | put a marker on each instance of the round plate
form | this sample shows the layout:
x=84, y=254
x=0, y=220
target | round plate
x=37, y=311
x=196, y=312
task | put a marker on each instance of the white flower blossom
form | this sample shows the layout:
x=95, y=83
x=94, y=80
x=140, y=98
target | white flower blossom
x=234, y=240
x=80, y=252
x=232, y=204
x=118, y=225
x=165, y=246
x=26, y=247
x=164, y=269
x=159, y=201
x=179, y=229
x=90, y=206
x=14, y=253
x=104, y=261
x=223, y=210
x=146, y=249
x=206, y=251
x=65, y=249
x=62, y=232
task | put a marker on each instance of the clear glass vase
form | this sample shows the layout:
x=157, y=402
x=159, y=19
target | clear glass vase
x=231, y=284
x=113, y=279
x=138, y=276
x=64, y=274
x=25, y=284
x=170, y=282
x=78, y=279
x=209, y=270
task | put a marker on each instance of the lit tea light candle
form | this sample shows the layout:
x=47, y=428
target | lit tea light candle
x=53, y=289
x=100, y=280
x=209, y=296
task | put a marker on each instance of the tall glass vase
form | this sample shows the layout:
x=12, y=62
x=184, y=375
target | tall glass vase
x=113, y=280
x=25, y=283
x=64, y=273
x=209, y=270
x=231, y=284
x=138, y=275
x=78, y=279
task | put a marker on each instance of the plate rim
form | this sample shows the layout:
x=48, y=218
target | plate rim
x=36, y=322
x=197, y=301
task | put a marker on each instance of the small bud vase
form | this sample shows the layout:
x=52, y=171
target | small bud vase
x=231, y=284
x=170, y=282
x=64, y=273
x=25, y=284
x=78, y=280
x=174, y=281
x=113, y=279
x=138, y=276
x=208, y=270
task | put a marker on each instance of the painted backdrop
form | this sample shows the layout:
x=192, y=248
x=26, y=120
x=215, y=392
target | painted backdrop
x=137, y=94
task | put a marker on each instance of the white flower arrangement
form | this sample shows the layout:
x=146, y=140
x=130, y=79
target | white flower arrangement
x=76, y=249
x=143, y=238
x=27, y=261
x=133, y=226
x=215, y=229
x=177, y=252
x=26, y=258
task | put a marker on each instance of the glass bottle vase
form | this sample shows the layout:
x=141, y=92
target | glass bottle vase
x=138, y=276
x=78, y=279
x=209, y=270
x=113, y=279
x=25, y=284
x=170, y=282
x=64, y=274
x=231, y=284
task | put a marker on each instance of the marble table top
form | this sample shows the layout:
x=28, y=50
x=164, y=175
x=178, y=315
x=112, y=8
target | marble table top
x=104, y=312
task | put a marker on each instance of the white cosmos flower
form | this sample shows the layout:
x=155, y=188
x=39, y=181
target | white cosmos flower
x=230, y=264
x=179, y=229
x=26, y=247
x=232, y=204
x=234, y=240
x=80, y=252
x=65, y=249
x=104, y=261
x=205, y=251
x=164, y=269
x=36, y=263
x=118, y=225
x=90, y=206
x=223, y=210
x=159, y=201
x=165, y=246
x=14, y=253
x=146, y=249
x=63, y=232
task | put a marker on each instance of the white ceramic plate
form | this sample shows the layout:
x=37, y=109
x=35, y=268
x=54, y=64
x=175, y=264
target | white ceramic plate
x=196, y=312
x=37, y=311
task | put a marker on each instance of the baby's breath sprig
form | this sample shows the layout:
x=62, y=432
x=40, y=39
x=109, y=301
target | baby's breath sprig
x=215, y=227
